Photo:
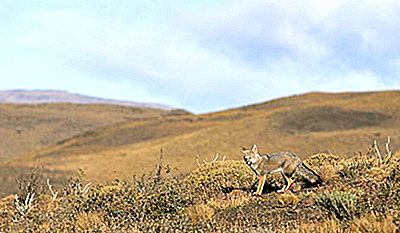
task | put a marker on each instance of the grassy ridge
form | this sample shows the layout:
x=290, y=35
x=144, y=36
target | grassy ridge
x=307, y=124
x=359, y=194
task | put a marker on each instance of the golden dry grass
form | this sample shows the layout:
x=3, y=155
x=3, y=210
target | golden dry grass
x=95, y=221
x=328, y=226
x=200, y=212
x=374, y=224
x=368, y=223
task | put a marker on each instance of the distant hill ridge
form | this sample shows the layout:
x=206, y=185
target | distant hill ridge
x=58, y=96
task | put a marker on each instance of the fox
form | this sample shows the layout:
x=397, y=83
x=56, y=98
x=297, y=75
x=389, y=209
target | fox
x=287, y=163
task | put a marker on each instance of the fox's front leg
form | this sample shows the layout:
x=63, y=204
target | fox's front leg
x=261, y=183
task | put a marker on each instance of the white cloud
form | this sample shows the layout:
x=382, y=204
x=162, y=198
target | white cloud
x=312, y=29
x=214, y=57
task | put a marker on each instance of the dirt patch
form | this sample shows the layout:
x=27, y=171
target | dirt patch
x=320, y=119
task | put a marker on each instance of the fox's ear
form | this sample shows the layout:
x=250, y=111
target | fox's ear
x=254, y=149
x=244, y=150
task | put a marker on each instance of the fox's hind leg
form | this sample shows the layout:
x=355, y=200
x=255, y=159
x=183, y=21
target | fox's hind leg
x=289, y=183
x=286, y=183
x=261, y=183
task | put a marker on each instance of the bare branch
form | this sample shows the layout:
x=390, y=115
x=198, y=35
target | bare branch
x=388, y=150
x=26, y=206
x=216, y=157
x=85, y=189
x=383, y=158
x=214, y=160
x=159, y=168
x=197, y=160
x=377, y=151
x=54, y=194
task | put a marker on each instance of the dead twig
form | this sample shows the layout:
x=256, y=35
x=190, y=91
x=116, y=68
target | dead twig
x=85, y=188
x=377, y=151
x=158, y=173
x=389, y=154
x=197, y=160
x=212, y=161
x=388, y=150
x=216, y=157
x=24, y=207
x=53, y=194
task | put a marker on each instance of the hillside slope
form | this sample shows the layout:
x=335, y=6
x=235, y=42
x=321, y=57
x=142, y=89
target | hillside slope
x=25, y=128
x=307, y=124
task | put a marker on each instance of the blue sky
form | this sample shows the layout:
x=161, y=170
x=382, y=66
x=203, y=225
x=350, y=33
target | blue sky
x=200, y=55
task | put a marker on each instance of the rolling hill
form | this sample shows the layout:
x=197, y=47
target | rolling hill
x=306, y=124
x=56, y=96
x=25, y=128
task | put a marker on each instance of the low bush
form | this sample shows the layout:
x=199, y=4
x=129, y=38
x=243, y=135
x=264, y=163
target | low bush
x=341, y=205
x=363, y=196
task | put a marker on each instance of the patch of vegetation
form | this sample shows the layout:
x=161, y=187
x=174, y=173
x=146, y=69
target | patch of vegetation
x=215, y=197
x=340, y=204
x=214, y=178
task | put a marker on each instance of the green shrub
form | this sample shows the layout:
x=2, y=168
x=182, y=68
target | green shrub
x=340, y=204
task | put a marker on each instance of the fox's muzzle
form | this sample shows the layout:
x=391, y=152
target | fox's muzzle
x=246, y=160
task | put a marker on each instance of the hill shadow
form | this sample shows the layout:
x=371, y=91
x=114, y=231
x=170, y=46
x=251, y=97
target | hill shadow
x=326, y=118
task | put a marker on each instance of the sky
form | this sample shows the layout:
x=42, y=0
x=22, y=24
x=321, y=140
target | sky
x=200, y=55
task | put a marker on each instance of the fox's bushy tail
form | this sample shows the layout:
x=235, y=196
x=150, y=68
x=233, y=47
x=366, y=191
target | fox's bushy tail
x=308, y=174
